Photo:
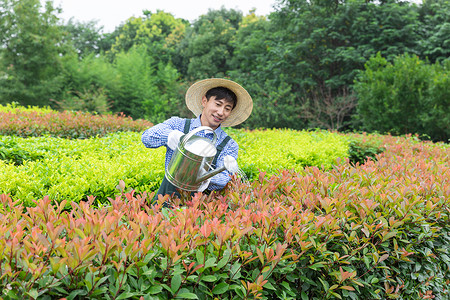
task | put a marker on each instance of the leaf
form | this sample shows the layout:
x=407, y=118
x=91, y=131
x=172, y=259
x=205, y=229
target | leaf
x=156, y=289
x=199, y=256
x=208, y=278
x=210, y=262
x=389, y=235
x=348, y=288
x=125, y=295
x=325, y=284
x=76, y=293
x=33, y=293
x=383, y=257
x=175, y=283
x=225, y=258
x=187, y=296
x=220, y=288
x=260, y=255
x=269, y=286
x=316, y=266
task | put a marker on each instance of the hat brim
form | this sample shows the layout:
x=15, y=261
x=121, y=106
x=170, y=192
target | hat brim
x=240, y=112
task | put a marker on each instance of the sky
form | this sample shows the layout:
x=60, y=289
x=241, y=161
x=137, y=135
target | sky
x=111, y=13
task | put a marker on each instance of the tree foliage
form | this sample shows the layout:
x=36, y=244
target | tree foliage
x=159, y=31
x=209, y=47
x=84, y=37
x=30, y=52
x=406, y=96
x=299, y=63
x=434, y=16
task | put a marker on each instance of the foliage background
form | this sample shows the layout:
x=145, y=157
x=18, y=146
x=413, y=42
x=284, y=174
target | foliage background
x=304, y=64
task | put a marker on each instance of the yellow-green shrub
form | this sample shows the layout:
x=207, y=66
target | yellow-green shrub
x=74, y=169
x=272, y=150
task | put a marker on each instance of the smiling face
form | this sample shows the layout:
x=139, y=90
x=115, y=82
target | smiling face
x=215, y=111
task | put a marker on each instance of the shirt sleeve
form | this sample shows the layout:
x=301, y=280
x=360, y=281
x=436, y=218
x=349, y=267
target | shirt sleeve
x=156, y=136
x=219, y=181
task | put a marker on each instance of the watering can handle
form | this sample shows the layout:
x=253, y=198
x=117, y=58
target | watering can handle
x=198, y=129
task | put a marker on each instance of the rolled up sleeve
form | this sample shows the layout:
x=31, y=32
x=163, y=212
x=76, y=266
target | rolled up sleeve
x=156, y=136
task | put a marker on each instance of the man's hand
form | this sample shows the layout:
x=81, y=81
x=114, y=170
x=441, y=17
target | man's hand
x=204, y=185
x=174, y=138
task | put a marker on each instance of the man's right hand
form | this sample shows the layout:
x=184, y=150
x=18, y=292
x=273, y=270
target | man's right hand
x=174, y=138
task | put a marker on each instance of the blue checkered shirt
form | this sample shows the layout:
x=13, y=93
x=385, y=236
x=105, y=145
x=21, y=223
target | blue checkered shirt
x=156, y=136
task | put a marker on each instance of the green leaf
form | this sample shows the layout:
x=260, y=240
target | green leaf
x=210, y=262
x=33, y=293
x=325, y=284
x=209, y=278
x=76, y=293
x=125, y=295
x=220, y=288
x=316, y=266
x=156, y=289
x=175, y=283
x=389, y=235
x=101, y=280
x=225, y=258
x=304, y=296
x=187, y=296
x=269, y=286
x=199, y=256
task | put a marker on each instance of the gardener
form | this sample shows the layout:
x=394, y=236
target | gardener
x=216, y=103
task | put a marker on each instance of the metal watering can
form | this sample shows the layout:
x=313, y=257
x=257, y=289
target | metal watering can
x=191, y=161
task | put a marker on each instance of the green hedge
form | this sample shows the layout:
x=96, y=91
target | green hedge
x=375, y=231
x=75, y=169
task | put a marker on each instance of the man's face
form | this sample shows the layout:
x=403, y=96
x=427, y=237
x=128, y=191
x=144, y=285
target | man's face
x=215, y=111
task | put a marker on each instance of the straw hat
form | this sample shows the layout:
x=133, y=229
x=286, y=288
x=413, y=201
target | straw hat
x=240, y=112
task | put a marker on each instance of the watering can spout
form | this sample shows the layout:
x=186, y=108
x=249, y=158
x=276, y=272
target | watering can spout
x=229, y=163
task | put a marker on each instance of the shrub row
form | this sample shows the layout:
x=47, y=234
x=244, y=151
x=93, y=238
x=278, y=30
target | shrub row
x=376, y=231
x=74, y=169
x=33, y=122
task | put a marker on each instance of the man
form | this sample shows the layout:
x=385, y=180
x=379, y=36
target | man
x=215, y=102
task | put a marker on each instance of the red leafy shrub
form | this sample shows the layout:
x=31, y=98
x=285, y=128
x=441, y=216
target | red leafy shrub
x=376, y=231
x=34, y=122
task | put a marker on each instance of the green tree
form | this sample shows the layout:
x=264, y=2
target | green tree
x=85, y=37
x=159, y=31
x=274, y=104
x=250, y=43
x=88, y=83
x=147, y=89
x=315, y=48
x=30, y=51
x=434, y=43
x=406, y=96
x=209, y=44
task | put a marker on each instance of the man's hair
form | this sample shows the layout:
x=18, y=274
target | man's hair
x=222, y=93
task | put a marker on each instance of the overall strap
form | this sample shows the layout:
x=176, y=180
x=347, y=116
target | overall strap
x=220, y=148
x=187, y=126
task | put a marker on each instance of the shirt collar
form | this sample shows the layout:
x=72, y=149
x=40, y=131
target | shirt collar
x=197, y=123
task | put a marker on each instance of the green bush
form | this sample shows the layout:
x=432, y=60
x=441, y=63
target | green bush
x=360, y=150
x=75, y=169
x=11, y=152
x=273, y=150
x=407, y=97
x=375, y=231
